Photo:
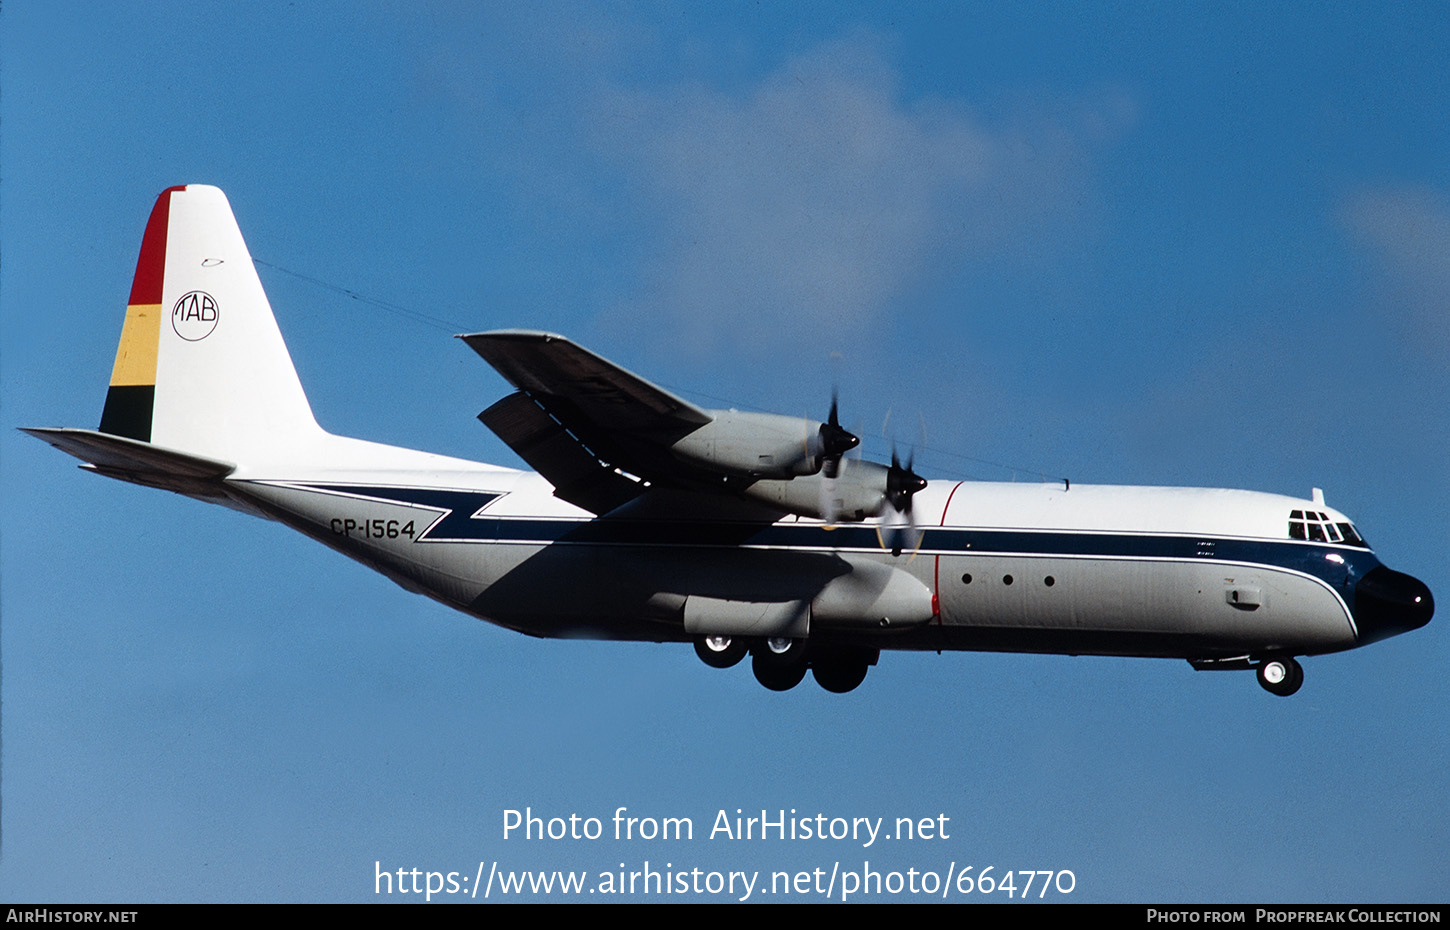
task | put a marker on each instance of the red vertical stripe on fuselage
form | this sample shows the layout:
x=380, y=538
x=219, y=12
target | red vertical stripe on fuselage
x=936, y=563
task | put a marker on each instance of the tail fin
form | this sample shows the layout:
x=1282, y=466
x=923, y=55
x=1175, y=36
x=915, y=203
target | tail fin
x=202, y=367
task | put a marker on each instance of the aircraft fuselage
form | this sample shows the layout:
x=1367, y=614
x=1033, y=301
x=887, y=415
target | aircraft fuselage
x=1111, y=571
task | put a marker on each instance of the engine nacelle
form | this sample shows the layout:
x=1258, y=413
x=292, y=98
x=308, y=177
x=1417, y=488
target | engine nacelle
x=754, y=445
x=857, y=493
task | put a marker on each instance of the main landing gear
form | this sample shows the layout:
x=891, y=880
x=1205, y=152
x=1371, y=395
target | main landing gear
x=720, y=651
x=1280, y=675
x=781, y=663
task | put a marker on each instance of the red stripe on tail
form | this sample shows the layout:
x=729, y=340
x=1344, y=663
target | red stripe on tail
x=151, y=266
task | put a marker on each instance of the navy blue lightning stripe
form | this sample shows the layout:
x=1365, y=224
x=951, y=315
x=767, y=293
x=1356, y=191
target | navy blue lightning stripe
x=459, y=524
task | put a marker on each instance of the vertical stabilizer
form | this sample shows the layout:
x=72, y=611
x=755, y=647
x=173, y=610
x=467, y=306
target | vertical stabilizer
x=202, y=367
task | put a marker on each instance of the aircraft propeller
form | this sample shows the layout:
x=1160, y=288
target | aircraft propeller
x=833, y=442
x=902, y=483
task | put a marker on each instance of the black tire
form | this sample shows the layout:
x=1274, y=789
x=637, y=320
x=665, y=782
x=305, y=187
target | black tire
x=779, y=665
x=840, y=673
x=1280, y=675
x=721, y=651
x=1298, y=675
x=778, y=677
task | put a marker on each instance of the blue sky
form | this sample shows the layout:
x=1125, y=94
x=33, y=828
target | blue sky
x=1126, y=243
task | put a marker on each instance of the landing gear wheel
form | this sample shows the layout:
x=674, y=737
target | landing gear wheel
x=775, y=676
x=839, y=673
x=1280, y=675
x=779, y=663
x=720, y=651
x=783, y=646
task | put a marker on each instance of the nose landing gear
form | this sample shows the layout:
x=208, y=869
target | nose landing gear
x=1280, y=675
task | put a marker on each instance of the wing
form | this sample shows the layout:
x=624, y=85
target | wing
x=565, y=378
x=604, y=436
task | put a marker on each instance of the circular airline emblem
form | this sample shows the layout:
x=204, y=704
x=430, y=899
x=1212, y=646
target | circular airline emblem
x=194, y=316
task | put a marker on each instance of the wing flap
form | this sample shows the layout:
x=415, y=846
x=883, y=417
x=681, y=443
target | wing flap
x=576, y=474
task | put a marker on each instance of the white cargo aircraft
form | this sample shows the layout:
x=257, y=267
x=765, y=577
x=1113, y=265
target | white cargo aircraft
x=653, y=519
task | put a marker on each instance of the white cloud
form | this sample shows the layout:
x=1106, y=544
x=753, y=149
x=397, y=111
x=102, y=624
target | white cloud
x=813, y=200
x=1408, y=230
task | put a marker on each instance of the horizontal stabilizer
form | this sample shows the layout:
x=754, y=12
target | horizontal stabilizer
x=117, y=453
x=143, y=463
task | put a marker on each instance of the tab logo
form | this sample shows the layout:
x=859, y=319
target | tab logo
x=194, y=316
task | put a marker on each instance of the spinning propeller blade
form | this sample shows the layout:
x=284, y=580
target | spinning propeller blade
x=902, y=483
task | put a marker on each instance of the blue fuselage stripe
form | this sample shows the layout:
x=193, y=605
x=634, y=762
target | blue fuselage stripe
x=467, y=520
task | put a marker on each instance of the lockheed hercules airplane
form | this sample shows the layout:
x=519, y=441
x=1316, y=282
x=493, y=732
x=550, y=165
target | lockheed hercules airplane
x=652, y=519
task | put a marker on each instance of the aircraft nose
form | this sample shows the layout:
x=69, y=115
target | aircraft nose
x=1387, y=602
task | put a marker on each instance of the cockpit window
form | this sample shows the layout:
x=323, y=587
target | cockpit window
x=1351, y=536
x=1315, y=526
